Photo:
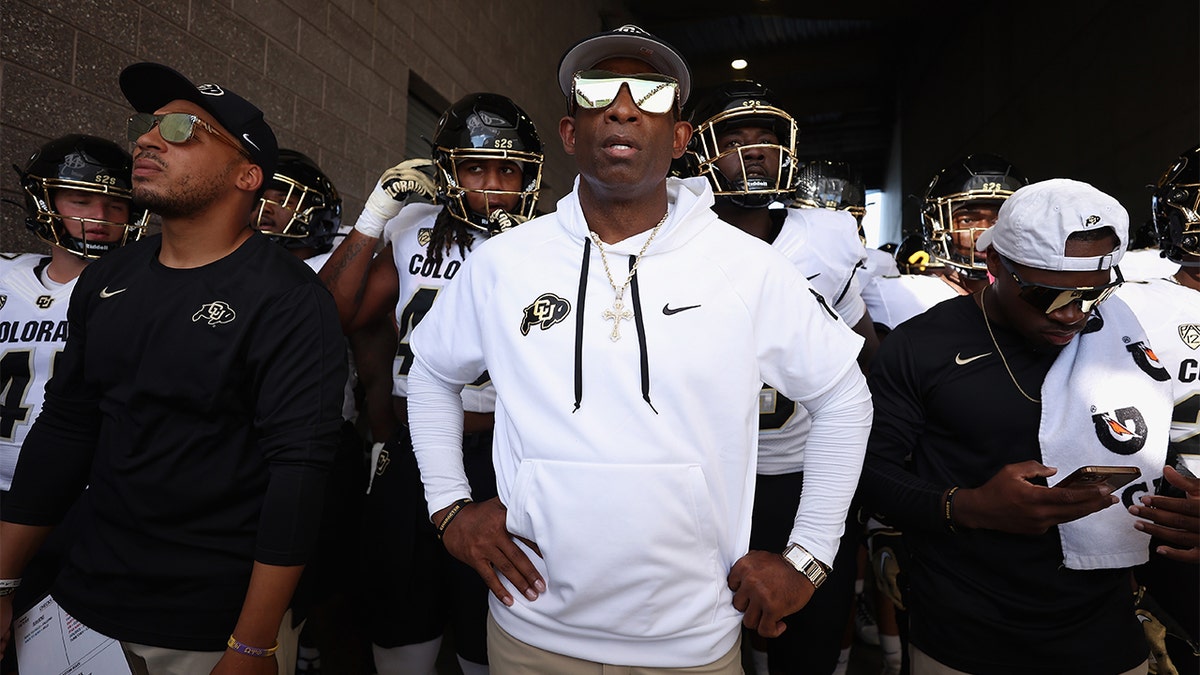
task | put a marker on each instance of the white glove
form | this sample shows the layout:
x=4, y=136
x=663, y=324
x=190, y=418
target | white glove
x=394, y=186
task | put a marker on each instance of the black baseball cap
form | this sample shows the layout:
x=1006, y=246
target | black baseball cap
x=626, y=41
x=150, y=86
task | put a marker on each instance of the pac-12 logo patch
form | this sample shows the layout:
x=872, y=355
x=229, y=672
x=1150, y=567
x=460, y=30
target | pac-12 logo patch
x=424, y=236
x=1145, y=358
x=546, y=311
x=1122, y=431
x=215, y=313
x=1188, y=332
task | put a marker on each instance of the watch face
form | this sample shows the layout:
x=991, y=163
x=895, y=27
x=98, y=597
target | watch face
x=805, y=563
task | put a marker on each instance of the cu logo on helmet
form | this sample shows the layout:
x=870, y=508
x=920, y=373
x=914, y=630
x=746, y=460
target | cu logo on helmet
x=215, y=313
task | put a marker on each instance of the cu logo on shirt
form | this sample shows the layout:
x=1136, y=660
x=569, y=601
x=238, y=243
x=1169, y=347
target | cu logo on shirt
x=547, y=310
x=215, y=313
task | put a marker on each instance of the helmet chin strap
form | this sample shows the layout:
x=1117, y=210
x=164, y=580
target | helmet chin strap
x=752, y=196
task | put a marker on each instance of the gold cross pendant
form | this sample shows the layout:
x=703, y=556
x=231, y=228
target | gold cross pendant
x=617, y=314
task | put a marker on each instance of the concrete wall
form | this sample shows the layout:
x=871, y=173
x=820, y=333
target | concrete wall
x=1107, y=92
x=332, y=76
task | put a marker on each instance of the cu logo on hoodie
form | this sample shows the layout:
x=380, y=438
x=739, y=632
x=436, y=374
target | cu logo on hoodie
x=1147, y=361
x=1122, y=431
x=214, y=313
x=546, y=311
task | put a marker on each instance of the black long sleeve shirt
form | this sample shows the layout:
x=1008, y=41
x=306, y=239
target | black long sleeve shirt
x=200, y=408
x=981, y=601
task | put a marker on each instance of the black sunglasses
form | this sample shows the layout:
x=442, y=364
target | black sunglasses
x=1050, y=298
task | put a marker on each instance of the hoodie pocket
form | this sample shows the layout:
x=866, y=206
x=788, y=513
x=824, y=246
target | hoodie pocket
x=628, y=549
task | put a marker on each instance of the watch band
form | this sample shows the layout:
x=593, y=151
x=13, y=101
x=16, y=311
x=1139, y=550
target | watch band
x=806, y=564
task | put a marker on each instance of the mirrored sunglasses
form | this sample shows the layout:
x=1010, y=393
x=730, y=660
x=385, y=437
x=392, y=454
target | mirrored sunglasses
x=175, y=128
x=651, y=92
x=1050, y=298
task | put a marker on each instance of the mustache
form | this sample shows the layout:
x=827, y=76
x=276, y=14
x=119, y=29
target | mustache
x=150, y=155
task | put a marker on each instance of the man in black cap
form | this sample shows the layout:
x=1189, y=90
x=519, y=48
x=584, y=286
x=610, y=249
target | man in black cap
x=198, y=399
x=628, y=335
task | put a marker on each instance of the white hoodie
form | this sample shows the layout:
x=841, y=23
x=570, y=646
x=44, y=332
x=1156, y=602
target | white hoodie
x=631, y=463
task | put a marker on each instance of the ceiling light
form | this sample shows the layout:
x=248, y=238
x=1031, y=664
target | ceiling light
x=739, y=64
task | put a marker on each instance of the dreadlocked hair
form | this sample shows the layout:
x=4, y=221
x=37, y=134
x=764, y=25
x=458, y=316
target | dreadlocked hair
x=448, y=231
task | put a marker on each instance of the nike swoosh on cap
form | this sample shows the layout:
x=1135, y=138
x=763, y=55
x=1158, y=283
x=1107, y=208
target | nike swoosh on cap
x=247, y=139
x=668, y=310
x=962, y=362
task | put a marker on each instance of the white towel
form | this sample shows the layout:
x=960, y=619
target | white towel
x=1106, y=400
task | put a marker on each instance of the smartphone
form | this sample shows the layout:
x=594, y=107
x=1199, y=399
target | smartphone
x=1112, y=477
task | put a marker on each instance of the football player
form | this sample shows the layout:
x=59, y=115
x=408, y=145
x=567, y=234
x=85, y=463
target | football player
x=1169, y=309
x=961, y=202
x=300, y=210
x=827, y=184
x=77, y=200
x=745, y=145
x=487, y=161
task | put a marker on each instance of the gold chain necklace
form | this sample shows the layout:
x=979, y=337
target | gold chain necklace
x=983, y=306
x=618, y=313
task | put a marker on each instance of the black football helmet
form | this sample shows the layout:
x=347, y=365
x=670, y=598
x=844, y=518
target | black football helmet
x=738, y=104
x=87, y=164
x=314, y=205
x=486, y=126
x=974, y=178
x=825, y=184
x=1176, y=207
x=912, y=258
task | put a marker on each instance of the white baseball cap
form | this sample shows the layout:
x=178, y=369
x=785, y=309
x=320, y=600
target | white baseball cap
x=1034, y=223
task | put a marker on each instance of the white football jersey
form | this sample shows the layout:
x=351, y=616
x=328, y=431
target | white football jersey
x=896, y=299
x=1170, y=314
x=421, y=280
x=824, y=245
x=33, y=330
x=1146, y=263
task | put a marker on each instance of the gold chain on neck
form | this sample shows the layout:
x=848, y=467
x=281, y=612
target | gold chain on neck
x=618, y=313
x=983, y=307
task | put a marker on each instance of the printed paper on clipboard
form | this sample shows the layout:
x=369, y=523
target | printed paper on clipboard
x=52, y=642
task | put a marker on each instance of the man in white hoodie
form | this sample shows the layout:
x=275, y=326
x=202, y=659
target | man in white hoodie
x=628, y=336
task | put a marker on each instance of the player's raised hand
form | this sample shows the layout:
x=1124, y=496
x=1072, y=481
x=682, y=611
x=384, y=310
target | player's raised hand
x=406, y=179
x=394, y=186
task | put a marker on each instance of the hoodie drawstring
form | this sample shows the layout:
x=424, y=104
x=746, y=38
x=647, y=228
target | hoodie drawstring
x=579, y=301
x=641, y=333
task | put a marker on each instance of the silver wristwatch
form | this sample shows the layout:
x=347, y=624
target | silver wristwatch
x=806, y=564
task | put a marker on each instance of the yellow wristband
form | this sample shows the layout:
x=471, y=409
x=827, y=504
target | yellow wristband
x=260, y=652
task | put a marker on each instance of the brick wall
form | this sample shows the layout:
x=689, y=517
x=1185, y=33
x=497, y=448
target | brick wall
x=332, y=76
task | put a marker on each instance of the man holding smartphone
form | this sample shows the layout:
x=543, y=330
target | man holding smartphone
x=998, y=585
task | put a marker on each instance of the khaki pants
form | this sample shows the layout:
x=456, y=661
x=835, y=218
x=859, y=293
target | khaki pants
x=923, y=664
x=509, y=656
x=147, y=660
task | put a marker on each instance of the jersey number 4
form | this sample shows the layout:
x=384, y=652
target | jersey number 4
x=16, y=373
